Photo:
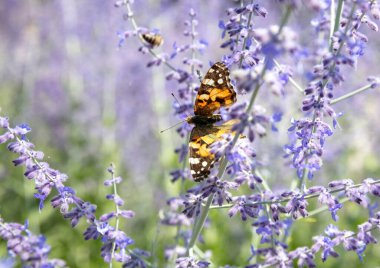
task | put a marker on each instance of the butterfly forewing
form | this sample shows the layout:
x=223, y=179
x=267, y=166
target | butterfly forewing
x=215, y=91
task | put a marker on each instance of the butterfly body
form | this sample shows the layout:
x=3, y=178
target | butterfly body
x=200, y=120
x=215, y=92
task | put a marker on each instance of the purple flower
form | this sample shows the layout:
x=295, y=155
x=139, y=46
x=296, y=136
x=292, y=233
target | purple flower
x=307, y=152
x=356, y=47
x=297, y=206
x=364, y=234
x=185, y=262
x=31, y=249
x=182, y=152
x=358, y=195
x=110, y=182
x=6, y=137
x=75, y=214
x=333, y=204
x=4, y=122
x=304, y=255
x=220, y=188
x=137, y=259
x=92, y=231
x=274, y=43
x=116, y=199
x=65, y=198
x=327, y=245
x=192, y=205
x=20, y=147
x=180, y=174
x=245, y=209
x=268, y=229
x=277, y=79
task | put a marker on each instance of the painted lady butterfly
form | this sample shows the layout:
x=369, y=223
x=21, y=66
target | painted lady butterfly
x=215, y=92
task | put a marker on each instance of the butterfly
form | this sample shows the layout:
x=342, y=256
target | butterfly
x=215, y=91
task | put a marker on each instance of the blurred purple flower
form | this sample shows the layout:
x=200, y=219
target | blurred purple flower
x=185, y=262
x=31, y=249
x=137, y=259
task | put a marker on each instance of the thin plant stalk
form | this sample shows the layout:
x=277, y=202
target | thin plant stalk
x=203, y=216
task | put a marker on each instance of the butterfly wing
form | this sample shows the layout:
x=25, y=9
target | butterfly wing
x=215, y=91
x=201, y=139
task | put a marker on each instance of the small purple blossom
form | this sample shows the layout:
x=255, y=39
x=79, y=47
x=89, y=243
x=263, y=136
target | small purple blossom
x=242, y=205
x=192, y=205
x=185, y=262
x=219, y=188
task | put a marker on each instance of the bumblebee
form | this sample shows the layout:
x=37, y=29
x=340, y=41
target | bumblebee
x=154, y=40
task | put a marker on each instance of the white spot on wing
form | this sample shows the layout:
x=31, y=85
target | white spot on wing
x=192, y=172
x=204, y=163
x=211, y=70
x=193, y=160
x=220, y=81
x=209, y=82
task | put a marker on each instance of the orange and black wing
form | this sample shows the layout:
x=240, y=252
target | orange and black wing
x=215, y=91
x=201, y=138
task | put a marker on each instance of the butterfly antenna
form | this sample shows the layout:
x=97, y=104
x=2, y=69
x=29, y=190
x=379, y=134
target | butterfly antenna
x=176, y=99
x=173, y=126
x=199, y=76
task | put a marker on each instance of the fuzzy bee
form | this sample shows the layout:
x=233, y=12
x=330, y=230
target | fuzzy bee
x=154, y=40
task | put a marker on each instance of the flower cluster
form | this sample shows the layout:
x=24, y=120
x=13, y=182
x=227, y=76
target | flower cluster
x=255, y=52
x=271, y=229
x=346, y=45
x=71, y=206
x=31, y=249
x=239, y=34
x=267, y=57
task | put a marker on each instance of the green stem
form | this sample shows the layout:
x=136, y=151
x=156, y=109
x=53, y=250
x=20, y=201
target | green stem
x=338, y=15
x=256, y=90
x=199, y=225
x=332, y=17
x=292, y=81
x=285, y=18
x=301, y=182
x=117, y=213
x=325, y=208
x=264, y=183
x=288, y=199
x=246, y=38
x=350, y=94
x=192, y=46
x=342, y=43
x=241, y=18
x=192, y=70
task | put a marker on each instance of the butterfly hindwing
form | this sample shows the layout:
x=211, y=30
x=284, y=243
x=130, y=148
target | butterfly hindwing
x=215, y=91
x=201, y=139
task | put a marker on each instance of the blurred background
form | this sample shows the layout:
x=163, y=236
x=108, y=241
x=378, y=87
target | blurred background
x=90, y=103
